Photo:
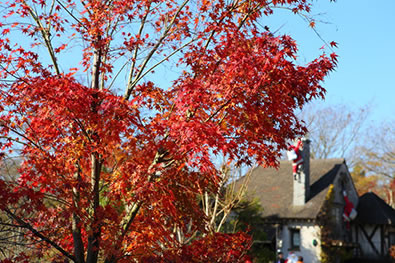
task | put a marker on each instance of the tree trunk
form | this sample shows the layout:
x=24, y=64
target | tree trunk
x=76, y=228
x=94, y=237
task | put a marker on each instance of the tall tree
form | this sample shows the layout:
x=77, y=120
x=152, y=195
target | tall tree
x=377, y=157
x=335, y=130
x=379, y=150
x=110, y=165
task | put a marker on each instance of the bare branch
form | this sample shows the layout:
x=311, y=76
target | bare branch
x=45, y=33
x=132, y=84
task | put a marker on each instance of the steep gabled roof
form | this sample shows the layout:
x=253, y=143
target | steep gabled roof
x=383, y=213
x=274, y=189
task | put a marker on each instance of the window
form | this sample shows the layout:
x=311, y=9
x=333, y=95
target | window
x=295, y=238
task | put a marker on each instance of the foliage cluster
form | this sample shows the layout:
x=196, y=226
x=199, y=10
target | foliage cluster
x=112, y=169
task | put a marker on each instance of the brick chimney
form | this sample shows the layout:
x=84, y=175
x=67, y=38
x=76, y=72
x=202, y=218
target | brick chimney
x=301, y=182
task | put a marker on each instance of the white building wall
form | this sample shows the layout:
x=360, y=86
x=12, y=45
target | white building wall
x=308, y=233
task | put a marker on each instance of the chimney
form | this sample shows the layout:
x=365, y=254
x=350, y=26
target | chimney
x=301, y=191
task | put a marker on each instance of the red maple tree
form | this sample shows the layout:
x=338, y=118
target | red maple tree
x=108, y=173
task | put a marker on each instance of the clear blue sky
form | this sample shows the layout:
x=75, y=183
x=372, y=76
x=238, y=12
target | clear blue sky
x=365, y=33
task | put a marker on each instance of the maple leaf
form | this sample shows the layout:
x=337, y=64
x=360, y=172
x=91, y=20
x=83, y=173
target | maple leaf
x=312, y=24
x=333, y=44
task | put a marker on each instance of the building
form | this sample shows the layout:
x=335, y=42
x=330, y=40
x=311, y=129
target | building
x=309, y=212
x=374, y=228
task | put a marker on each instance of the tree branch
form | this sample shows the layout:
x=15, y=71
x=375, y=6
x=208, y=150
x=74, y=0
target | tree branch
x=134, y=58
x=152, y=52
x=38, y=234
x=45, y=33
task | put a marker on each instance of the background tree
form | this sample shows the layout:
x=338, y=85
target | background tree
x=377, y=158
x=335, y=130
x=110, y=165
x=363, y=182
x=379, y=151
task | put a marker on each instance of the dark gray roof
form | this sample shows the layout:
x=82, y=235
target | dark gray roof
x=374, y=210
x=274, y=189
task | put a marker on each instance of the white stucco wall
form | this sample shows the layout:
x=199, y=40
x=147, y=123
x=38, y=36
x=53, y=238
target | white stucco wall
x=308, y=233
